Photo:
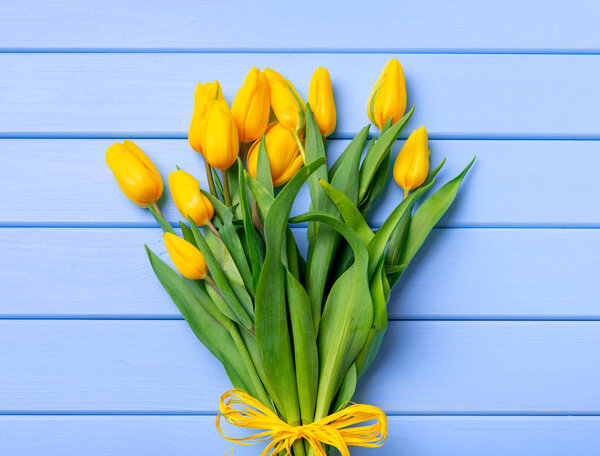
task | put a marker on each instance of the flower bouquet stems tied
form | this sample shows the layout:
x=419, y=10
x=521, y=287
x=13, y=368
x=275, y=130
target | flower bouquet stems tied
x=294, y=333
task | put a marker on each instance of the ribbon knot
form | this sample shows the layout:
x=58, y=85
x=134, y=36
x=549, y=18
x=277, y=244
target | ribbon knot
x=340, y=429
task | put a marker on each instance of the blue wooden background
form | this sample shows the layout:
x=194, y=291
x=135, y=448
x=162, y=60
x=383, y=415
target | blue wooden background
x=494, y=340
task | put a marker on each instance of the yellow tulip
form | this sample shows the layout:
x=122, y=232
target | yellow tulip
x=251, y=107
x=186, y=194
x=186, y=257
x=412, y=164
x=135, y=173
x=283, y=152
x=388, y=97
x=285, y=101
x=220, y=143
x=320, y=98
x=204, y=94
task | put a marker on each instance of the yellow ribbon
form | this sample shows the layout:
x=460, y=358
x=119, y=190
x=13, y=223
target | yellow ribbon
x=238, y=408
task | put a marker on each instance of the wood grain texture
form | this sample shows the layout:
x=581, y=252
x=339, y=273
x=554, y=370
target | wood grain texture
x=186, y=435
x=455, y=95
x=512, y=184
x=460, y=274
x=434, y=367
x=427, y=25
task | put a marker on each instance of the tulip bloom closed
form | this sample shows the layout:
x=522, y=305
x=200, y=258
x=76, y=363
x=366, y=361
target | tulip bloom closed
x=188, y=198
x=205, y=93
x=284, y=155
x=285, y=101
x=320, y=98
x=251, y=106
x=186, y=257
x=412, y=164
x=220, y=142
x=135, y=173
x=388, y=97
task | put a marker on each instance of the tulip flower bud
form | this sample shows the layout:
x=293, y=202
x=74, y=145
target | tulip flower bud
x=285, y=101
x=135, y=173
x=220, y=143
x=412, y=164
x=320, y=98
x=204, y=94
x=388, y=97
x=284, y=155
x=188, y=198
x=251, y=106
x=188, y=260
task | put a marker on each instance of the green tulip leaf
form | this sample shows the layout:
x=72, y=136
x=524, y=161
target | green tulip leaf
x=305, y=346
x=347, y=389
x=263, y=198
x=380, y=240
x=243, y=316
x=345, y=171
x=379, y=293
x=322, y=240
x=272, y=331
x=263, y=167
x=252, y=237
x=347, y=316
x=376, y=155
x=349, y=211
x=192, y=304
x=427, y=216
x=396, y=244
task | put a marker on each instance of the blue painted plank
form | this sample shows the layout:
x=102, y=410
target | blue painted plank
x=430, y=24
x=152, y=94
x=461, y=274
x=531, y=368
x=513, y=183
x=187, y=436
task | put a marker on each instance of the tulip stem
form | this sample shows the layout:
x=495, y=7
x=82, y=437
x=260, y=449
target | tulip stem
x=300, y=146
x=226, y=195
x=209, y=177
x=156, y=208
x=406, y=192
x=213, y=229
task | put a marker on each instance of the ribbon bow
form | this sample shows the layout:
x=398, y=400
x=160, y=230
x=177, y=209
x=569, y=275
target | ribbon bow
x=238, y=408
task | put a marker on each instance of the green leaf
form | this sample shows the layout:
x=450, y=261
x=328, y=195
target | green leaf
x=345, y=171
x=229, y=234
x=427, y=216
x=252, y=237
x=220, y=208
x=263, y=167
x=377, y=153
x=272, y=331
x=349, y=211
x=305, y=347
x=379, y=295
x=242, y=317
x=377, y=186
x=229, y=267
x=322, y=240
x=347, y=389
x=396, y=244
x=347, y=316
x=224, y=258
x=378, y=243
x=192, y=304
x=263, y=198
x=187, y=234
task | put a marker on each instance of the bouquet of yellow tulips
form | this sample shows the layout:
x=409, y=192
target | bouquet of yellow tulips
x=295, y=334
